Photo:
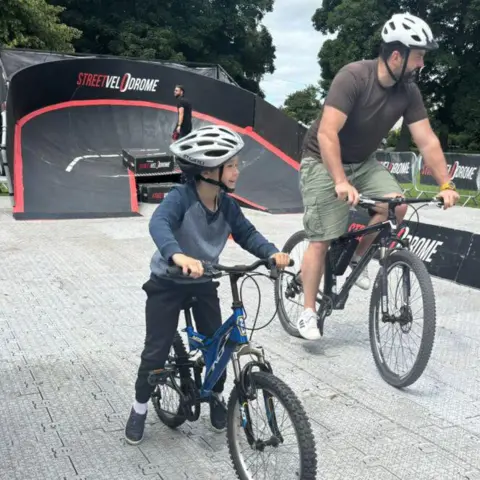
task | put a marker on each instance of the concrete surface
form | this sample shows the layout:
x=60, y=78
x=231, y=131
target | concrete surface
x=72, y=328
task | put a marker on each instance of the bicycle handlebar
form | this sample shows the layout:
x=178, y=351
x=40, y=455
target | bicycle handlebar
x=394, y=201
x=214, y=270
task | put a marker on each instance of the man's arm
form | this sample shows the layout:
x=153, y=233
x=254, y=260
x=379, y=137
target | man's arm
x=338, y=104
x=431, y=150
x=180, y=117
x=329, y=143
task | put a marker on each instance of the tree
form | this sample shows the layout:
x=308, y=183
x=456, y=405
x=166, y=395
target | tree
x=227, y=32
x=450, y=81
x=303, y=105
x=34, y=24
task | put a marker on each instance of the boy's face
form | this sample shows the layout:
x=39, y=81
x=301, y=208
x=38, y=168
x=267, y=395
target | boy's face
x=230, y=173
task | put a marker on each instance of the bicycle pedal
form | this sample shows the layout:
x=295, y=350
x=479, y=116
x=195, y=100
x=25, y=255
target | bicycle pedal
x=160, y=375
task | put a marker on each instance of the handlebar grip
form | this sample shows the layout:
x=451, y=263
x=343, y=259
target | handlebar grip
x=273, y=263
x=175, y=270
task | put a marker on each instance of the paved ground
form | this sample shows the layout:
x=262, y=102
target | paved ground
x=71, y=330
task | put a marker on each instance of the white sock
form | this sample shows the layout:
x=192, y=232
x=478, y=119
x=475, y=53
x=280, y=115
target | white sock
x=356, y=258
x=140, y=408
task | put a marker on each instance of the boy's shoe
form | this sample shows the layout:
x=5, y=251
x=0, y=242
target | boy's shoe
x=218, y=412
x=135, y=427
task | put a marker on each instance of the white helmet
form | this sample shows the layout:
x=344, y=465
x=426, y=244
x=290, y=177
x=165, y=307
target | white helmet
x=207, y=147
x=412, y=31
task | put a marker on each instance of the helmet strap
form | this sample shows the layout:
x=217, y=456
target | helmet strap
x=217, y=183
x=405, y=61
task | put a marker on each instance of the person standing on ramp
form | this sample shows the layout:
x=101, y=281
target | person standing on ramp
x=184, y=109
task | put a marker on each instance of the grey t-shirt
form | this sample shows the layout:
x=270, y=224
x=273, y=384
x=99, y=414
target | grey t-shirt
x=371, y=109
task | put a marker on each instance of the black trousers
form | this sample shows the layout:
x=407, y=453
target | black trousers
x=164, y=303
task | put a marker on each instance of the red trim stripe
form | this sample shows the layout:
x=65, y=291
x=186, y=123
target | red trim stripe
x=18, y=197
x=248, y=202
x=18, y=160
x=268, y=146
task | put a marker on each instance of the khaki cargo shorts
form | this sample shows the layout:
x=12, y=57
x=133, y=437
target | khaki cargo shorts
x=325, y=216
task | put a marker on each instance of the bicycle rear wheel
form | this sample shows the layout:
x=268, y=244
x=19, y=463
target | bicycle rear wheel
x=248, y=438
x=290, y=309
x=165, y=398
x=403, y=324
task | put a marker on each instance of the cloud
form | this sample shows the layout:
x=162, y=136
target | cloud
x=297, y=45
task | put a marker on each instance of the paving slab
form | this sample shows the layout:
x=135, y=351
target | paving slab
x=72, y=329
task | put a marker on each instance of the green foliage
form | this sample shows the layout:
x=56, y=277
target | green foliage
x=303, y=105
x=227, y=32
x=450, y=81
x=34, y=24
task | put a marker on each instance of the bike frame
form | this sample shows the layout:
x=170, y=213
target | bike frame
x=229, y=342
x=387, y=229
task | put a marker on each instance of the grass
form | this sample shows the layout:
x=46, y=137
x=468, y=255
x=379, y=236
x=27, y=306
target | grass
x=467, y=197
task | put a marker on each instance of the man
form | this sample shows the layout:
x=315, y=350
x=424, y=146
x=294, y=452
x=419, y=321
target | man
x=364, y=102
x=184, y=109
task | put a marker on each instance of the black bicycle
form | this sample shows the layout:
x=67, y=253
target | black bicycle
x=386, y=322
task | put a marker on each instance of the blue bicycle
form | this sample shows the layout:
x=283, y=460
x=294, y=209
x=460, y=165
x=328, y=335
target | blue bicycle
x=230, y=342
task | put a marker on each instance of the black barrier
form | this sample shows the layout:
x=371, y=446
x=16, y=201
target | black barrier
x=469, y=271
x=442, y=250
x=278, y=128
x=399, y=164
x=90, y=78
x=463, y=169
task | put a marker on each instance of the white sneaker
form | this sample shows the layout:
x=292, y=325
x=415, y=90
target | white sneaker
x=307, y=325
x=363, y=281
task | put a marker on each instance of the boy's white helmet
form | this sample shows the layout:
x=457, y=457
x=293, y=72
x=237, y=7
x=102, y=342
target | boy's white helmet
x=410, y=30
x=207, y=147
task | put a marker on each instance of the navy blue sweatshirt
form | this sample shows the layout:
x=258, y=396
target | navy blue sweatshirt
x=182, y=224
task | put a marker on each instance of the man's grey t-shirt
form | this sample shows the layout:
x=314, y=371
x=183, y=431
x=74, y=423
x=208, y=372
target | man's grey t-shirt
x=371, y=109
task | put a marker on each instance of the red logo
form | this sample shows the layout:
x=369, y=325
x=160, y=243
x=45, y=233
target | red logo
x=455, y=170
x=124, y=83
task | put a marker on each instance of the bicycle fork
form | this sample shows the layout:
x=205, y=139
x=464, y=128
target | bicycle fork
x=246, y=391
x=384, y=294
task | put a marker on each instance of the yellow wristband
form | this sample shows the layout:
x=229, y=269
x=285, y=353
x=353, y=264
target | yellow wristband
x=447, y=186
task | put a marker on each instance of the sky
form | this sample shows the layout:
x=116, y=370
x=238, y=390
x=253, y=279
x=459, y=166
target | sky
x=297, y=45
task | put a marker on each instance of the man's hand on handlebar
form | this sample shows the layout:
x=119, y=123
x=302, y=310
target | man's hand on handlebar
x=346, y=191
x=282, y=260
x=190, y=266
x=450, y=198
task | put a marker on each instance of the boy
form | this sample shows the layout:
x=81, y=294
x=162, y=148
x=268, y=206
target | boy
x=193, y=224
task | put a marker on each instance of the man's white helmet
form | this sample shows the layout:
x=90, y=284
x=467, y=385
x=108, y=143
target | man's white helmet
x=207, y=147
x=410, y=30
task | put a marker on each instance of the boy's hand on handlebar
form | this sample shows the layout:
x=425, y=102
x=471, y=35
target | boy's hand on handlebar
x=282, y=260
x=189, y=265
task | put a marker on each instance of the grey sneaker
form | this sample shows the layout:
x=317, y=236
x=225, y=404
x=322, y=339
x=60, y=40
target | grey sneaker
x=218, y=412
x=135, y=427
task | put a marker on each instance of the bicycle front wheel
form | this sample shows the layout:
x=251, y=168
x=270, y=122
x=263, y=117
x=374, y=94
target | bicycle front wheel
x=403, y=366
x=280, y=445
